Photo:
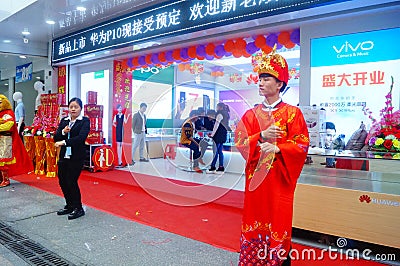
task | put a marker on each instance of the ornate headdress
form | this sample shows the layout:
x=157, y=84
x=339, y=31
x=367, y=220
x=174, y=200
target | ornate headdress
x=273, y=64
x=6, y=103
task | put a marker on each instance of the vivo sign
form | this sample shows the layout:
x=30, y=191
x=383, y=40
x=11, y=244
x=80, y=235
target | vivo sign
x=170, y=19
x=348, y=47
x=356, y=48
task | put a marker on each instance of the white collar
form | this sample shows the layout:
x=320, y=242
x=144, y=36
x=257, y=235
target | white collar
x=80, y=117
x=273, y=105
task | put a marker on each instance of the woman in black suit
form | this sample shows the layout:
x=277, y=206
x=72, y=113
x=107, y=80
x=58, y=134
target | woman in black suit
x=70, y=136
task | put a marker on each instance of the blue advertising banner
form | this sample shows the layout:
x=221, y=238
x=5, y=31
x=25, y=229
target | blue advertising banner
x=356, y=48
x=23, y=73
x=173, y=18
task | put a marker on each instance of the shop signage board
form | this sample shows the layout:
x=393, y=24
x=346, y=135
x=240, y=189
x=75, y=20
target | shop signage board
x=351, y=71
x=99, y=74
x=23, y=73
x=170, y=19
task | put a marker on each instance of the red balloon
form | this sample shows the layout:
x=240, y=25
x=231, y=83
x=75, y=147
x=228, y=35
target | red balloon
x=192, y=52
x=161, y=57
x=148, y=59
x=246, y=54
x=266, y=49
x=176, y=54
x=260, y=41
x=210, y=49
x=236, y=53
x=289, y=44
x=284, y=37
x=135, y=61
x=229, y=46
x=240, y=44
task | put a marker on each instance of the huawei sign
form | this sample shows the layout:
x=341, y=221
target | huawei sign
x=364, y=198
x=367, y=199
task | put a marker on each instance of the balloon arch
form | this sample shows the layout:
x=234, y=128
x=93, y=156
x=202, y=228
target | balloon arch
x=234, y=47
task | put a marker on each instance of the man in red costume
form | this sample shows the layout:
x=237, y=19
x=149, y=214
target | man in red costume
x=14, y=159
x=273, y=139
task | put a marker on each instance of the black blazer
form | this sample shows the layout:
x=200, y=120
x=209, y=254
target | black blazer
x=76, y=141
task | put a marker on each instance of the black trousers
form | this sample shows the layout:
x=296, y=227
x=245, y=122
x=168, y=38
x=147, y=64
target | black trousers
x=68, y=174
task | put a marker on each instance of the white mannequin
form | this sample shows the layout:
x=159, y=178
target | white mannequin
x=39, y=87
x=19, y=109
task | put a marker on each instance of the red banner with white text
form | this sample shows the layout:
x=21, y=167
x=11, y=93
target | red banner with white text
x=62, y=82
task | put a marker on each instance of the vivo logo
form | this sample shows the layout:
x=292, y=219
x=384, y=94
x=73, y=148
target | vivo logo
x=348, y=47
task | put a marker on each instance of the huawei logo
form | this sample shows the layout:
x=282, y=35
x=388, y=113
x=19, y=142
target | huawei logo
x=365, y=198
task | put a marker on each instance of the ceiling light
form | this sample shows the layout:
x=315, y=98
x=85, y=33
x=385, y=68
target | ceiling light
x=50, y=22
x=5, y=84
x=80, y=8
x=25, y=32
x=22, y=56
x=6, y=41
x=38, y=77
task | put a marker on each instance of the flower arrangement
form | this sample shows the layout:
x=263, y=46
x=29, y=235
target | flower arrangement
x=49, y=132
x=28, y=131
x=384, y=135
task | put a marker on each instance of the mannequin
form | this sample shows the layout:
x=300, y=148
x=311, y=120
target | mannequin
x=39, y=87
x=19, y=113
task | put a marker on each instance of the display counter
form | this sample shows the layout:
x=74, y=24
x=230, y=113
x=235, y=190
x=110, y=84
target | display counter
x=356, y=204
x=358, y=198
x=360, y=205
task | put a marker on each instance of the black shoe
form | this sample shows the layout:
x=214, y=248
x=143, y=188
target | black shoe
x=64, y=211
x=143, y=160
x=211, y=170
x=220, y=169
x=78, y=212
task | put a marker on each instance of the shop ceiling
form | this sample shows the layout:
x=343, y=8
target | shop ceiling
x=31, y=15
x=68, y=19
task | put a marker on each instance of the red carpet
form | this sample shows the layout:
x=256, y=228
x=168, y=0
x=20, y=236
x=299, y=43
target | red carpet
x=189, y=215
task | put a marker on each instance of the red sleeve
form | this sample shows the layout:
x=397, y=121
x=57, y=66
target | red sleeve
x=247, y=134
x=294, y=149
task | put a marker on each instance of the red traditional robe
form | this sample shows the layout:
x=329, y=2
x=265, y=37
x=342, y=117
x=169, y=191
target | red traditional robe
x=270, y=182
x=20, y=162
